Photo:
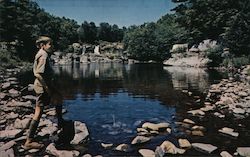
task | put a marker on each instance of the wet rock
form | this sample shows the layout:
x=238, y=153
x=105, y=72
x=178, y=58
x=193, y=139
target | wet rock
x=188, y=121
x=243, y=151
x=7, y=153
x=170, y=148
x=184, y=143
x=156, y=127
x=140, y=139
x=7, y=145
x=106, y=145
x=147, y=153
x=197, y=112
x=207, y=148
x=225, y=154
x=81, y=133
x=9, y=134
x=229, y=131
x=123, y=148
x=22, y=124
x=51, y=149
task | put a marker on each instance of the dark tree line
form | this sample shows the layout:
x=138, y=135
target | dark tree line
x=23, y=21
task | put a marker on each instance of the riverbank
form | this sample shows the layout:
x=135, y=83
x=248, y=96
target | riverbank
x=22, y=101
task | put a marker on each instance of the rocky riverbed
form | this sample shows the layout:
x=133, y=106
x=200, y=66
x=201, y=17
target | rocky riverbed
x=227, y=98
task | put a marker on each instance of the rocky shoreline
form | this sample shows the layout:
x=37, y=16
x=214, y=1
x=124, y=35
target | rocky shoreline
x=226, y=98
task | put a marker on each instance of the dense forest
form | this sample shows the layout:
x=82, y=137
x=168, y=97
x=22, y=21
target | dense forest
x=226, y=21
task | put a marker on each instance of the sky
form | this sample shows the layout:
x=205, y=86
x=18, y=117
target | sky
x=120, y=12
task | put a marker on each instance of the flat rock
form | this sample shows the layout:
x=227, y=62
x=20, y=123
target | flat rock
x=170, y=148
x=51, y=149
x=229, y=131
x=243, y=94
x=217, y=114
x=156, y=127
x=207, y=148
x=207, y=108
x=147, y=153
x=243, y=151
x=197, y=133
x=13, y=93
x=7, y=145
x=140, y=139
x=49, y=130
x=9, y=134
x=239, y=111
x=12, y=115
x=198, y=127
x=5, y=85
x=29, y=97
x=34, y=150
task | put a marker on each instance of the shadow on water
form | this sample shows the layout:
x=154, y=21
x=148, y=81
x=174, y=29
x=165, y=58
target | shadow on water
x=114, y=99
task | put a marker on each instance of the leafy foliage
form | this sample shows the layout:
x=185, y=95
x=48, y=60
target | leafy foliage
x=152, y=41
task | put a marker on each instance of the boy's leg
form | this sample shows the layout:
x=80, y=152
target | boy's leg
x=34, y=124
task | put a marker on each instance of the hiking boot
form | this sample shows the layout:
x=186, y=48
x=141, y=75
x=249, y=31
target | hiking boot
x=32, y=145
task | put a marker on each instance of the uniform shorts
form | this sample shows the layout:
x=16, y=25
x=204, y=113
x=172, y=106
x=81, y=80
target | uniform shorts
x=43, y=99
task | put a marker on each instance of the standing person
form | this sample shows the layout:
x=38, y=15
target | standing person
x=43, y=88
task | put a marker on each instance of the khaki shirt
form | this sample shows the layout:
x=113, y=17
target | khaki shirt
x=42, y=66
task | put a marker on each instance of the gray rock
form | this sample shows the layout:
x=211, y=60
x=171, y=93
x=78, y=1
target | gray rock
x=7, y=153
x=29, y=97
x=225, y=154
x=147, y=153
x=9, y=134
x=243, y=151
x=12, y=115
x=217, y=114
x=2, y=96
x=49, y=130
x=140, y=139
x=239, y=111
x=7, y=145
x=188, y=121
x=14, y=93
x=207, y=148
x=159, y=152
x=5, y=85
x=243, y=94
x=51, y=149
x=229, y=131
x=34, y=150
x=22, y=124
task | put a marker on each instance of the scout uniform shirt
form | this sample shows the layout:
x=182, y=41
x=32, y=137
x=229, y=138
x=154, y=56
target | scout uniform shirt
x=42, y=66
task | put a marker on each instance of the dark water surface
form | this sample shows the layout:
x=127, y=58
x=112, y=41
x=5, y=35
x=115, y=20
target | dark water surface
x=114, y=99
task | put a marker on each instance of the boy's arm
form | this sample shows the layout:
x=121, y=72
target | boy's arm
x=40, y=78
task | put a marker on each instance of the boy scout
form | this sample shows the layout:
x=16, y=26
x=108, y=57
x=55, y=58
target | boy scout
x=43, y=88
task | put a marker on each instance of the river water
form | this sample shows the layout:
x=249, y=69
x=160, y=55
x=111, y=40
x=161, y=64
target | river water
x=113, y=99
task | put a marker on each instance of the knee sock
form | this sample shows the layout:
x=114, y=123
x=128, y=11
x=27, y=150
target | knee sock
x=33, y=128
